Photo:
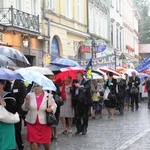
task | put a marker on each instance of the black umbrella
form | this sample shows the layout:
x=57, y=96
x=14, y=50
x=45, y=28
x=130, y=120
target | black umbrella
x=54, y=69
x=16, y=56
x=5, y=61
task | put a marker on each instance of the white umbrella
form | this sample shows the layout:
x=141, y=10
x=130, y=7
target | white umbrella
x=42, y=70
x=129, y=72
x=34, y=76
x=96, y=76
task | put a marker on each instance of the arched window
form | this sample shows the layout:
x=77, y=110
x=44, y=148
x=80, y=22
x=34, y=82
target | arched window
x=55, y=51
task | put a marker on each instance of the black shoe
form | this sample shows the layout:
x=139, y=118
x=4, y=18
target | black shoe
x=84, y=132
x=132, y=110
x=78, y=132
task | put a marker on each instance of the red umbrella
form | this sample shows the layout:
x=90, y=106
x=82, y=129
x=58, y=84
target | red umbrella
x=69, y=71
x=146, y=71
x=106, y=69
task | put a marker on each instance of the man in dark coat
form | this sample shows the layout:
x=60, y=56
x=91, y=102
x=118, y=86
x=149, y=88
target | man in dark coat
x=134, y=82
x=148, y=90
x=18, y=90
x=81, y=101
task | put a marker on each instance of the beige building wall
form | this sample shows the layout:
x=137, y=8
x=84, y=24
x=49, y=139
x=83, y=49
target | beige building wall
x=68, y=24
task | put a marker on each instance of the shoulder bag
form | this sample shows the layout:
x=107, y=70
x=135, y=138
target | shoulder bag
x=50, y=117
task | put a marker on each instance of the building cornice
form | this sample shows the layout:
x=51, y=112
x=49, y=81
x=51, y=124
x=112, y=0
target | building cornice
x=71, y=30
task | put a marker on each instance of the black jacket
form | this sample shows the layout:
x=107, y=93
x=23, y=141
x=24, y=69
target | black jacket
x=113, y=86
x=148, y=85
x=19, y=93
x=84, y=95
x=135, y=82
x=10, y=103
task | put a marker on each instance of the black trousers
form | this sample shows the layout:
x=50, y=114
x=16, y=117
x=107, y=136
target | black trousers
x=18, y=134
x=81, y=117
x=149, y=100
x=134, y=101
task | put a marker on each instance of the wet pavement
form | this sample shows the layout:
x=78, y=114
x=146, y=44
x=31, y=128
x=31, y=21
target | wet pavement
x=128, y=132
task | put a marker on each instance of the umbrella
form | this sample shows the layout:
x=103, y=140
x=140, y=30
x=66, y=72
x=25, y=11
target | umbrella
x=143, y=76
x=129, y=72
x=121, y=69
x=106, y=69
x=34, y=76
x=96, y=76
x=146, y=71
x=5, y=61
x=99, y=72
x=16, y=56
x=65, y=62
x=54, y=69
x=69, y=71
x=42, y=70
x=6, y=74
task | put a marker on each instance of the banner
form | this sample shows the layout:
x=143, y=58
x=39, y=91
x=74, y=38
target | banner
x=144, y=65
x=108, y=61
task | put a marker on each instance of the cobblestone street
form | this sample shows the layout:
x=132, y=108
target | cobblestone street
x=128, y=132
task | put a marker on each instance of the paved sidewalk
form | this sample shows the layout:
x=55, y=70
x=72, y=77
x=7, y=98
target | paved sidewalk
x=128, y=132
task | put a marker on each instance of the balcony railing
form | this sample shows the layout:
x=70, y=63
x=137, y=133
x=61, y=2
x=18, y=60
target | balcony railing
x=16, y=18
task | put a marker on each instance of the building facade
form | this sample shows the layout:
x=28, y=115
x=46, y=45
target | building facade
x=98, y=23
x=20, y=27
x=116, y=28
x=130, y=23
x=68, y=26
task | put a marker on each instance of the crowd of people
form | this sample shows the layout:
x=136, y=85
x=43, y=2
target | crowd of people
x=81, y=98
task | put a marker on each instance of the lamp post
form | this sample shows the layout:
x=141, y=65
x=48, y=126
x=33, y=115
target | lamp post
x=122, y=57
x=98, y=46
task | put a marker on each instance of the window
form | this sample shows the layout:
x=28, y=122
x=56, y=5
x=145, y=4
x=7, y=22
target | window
x=117, y=38
x=18, y=4
x=91, y=19
x=51, y=5
x=79, y=8
x=112, y=35
x=120, y=40
x=96, y=18
x=117, y=5
x=69, y=8
x=120, y=7
x=34, y=7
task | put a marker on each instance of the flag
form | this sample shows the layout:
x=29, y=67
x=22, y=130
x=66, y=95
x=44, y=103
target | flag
x=89, y=69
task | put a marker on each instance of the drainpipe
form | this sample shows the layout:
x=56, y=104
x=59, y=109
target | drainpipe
x=87, y=6
x=48, y=24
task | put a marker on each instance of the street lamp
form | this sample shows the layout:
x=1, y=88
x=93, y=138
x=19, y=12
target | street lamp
x=98, y=46
x=122, y=57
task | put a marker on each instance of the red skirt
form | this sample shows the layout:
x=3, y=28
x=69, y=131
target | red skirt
x=39, y=133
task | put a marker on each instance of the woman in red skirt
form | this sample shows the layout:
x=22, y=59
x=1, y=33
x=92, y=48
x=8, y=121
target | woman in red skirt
x=38, y=132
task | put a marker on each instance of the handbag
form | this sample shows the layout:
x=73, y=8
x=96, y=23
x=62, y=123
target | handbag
x=134, y=90
x=106, y=93
x=7, y=117
x=59, y=101
x=50, y=118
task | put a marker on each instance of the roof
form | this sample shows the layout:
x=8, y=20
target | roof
x=144, y=48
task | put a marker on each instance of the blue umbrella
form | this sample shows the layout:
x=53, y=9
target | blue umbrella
x=34, y=76
x=65, y=62
x=6, y=74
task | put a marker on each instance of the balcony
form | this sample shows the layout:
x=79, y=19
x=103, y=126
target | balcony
x=11, y=17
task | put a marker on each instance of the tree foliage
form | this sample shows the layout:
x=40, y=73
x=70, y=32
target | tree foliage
x=144, y=23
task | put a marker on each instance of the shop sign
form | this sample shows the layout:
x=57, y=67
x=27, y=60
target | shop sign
x=108, y=60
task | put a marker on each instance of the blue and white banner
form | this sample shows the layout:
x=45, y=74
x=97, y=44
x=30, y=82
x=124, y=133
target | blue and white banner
x=144, y=65
x=108, y=61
